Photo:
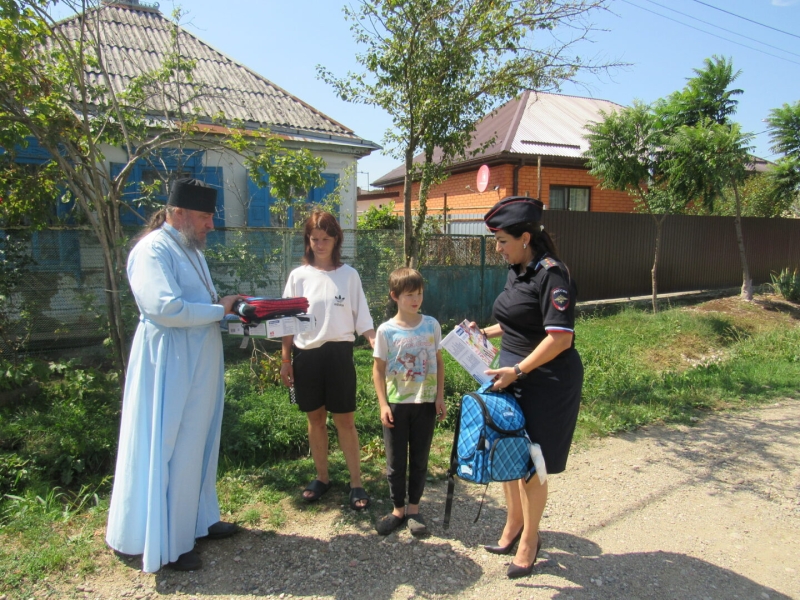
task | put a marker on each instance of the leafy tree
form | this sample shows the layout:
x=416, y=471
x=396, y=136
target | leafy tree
x=15, y=261
x=626, y=152
x=706, y=96
x=681, y=152
x=380, y=218
x=56, y=87
x=290, y=175
x=700, y=114
x=759, y=198
x=705, y=159
x=784, y=127
x=439, y=66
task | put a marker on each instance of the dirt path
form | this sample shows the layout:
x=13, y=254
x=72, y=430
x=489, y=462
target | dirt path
x=709, y=511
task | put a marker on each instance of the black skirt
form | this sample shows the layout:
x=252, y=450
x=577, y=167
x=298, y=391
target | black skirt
x=550, y=398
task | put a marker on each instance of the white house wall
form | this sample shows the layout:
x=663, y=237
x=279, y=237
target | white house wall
x=235, y=181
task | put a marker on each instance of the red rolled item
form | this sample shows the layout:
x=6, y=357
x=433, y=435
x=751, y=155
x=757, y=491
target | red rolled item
x=256, y=309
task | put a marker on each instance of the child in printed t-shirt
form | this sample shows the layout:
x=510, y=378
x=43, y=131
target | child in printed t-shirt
x=408, y=373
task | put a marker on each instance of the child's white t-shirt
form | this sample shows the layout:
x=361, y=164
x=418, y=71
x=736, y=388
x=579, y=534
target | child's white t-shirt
x=410, y=355
x=337, y=301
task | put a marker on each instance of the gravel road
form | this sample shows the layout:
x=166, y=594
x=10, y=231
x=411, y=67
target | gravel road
x=710, y=511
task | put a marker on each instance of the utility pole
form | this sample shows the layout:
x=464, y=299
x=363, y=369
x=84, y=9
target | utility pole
x=367, y=174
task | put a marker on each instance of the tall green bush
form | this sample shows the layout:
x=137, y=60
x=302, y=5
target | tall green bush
x=787, y=284
x=67, y=435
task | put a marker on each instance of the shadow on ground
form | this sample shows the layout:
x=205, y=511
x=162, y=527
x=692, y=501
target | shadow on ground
x=588, y=573
x=348, y=566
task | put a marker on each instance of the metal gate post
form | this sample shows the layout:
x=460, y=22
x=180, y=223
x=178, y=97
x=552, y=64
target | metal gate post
x=483, y=272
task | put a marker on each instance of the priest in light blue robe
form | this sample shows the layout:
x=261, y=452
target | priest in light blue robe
x=164, y=494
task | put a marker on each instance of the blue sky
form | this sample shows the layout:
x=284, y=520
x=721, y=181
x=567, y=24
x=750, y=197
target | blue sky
x=284, y=41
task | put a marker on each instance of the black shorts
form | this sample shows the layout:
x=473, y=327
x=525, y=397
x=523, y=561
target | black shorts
x=325, y=376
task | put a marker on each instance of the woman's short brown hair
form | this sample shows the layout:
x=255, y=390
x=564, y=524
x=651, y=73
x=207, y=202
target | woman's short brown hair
x=319, y=219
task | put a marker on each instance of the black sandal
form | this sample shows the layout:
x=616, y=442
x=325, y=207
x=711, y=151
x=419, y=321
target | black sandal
x=317, y=489
x=388, y=523
x=357, y=494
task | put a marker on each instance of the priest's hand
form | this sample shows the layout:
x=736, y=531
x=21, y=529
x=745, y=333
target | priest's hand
x=227, y=302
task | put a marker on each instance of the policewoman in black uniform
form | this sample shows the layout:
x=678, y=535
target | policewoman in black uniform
x=535, y=314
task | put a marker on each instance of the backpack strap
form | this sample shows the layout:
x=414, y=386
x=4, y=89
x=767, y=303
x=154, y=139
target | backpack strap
x=480, y=507
x=451, y=472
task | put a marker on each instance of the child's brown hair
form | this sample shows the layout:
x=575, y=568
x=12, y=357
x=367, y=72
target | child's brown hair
x=405, y=279
x=402, y=280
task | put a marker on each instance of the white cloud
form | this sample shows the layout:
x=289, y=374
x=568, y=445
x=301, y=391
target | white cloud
x=783, y=2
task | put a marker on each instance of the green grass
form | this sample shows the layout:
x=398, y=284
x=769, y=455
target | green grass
x=640, y=369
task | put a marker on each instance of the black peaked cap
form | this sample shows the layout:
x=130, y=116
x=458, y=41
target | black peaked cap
x=512, y=210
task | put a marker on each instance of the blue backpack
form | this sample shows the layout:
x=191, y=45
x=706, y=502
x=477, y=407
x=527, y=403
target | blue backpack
x=490, y=442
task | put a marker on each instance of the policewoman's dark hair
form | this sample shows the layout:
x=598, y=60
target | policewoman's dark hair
x=319, y=219
x=541, y=242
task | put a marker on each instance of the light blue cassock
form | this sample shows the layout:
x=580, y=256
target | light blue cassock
x=164, y=492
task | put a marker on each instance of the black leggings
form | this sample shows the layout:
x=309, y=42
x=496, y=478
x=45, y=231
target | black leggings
x=409, y=443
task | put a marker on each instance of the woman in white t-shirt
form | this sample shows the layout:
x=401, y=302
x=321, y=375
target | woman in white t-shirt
x=319, y=363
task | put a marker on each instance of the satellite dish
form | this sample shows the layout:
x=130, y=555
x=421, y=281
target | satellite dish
x=483, y=178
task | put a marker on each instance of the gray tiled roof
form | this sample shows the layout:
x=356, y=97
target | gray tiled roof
x=535, y=124
x=135, y=39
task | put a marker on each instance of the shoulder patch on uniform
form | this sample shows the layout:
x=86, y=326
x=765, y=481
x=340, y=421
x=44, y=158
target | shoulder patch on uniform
x=548, y=263
x=560, y=298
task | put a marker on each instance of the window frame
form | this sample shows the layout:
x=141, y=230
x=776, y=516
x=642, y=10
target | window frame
x=567, y=189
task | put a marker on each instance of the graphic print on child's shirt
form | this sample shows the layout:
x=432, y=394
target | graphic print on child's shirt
x=410, y=356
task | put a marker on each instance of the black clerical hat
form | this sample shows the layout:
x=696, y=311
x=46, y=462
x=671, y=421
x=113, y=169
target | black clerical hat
x=512, y=210
x=194, y=195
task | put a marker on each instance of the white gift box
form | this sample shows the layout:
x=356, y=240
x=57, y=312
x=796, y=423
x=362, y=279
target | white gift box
x=274, y=328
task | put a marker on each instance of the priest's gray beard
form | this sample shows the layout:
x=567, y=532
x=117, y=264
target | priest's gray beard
x=190, y=239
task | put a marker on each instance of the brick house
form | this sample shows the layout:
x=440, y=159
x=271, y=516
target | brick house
x=537, y=150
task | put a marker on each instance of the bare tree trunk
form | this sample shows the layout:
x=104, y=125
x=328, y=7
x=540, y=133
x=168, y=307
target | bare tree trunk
x=112, y=248
x=424, y=186
x=747, y=281
x=408, y=226
x=659, y=221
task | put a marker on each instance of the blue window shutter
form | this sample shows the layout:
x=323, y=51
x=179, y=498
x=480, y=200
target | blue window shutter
x=331, y=181
x=317, y=195
x=213, y=177
x=260, y=202
x=128, y=217
x=35, y=154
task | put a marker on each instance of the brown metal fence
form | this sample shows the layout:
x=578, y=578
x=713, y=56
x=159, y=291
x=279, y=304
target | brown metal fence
x=60, y=301
x=611, y=254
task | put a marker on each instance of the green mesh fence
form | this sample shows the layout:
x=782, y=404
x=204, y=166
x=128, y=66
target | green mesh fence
x=59, y=301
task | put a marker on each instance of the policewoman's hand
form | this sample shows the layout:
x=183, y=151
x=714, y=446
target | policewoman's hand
x=503, y=377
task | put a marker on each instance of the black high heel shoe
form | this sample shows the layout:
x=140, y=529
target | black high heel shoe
x=504, y=549
x=515, y=571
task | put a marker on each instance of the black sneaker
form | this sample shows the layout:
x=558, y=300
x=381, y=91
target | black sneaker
x=416, y=525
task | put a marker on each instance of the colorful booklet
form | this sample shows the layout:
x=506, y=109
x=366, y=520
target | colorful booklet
x=472, y=350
